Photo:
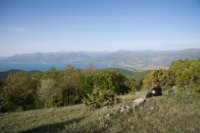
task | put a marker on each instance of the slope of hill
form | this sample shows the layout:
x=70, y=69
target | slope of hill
x=145, y=60
x=4, y=75
x=130, y=60
x=141, y=75
x=123, y=71
x=57, y=57
x=178, y=113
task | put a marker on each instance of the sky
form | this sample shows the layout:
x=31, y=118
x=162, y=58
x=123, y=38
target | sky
x=28, y=26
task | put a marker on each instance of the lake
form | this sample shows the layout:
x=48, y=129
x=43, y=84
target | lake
x=44, y=67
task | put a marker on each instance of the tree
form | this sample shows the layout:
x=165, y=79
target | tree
x=106, y=79
x=71, y=84
x=19, y=92
x=187, y=74
x=1, y=85
x=101, y=97
x=131, y=83
x=89, y=68
x=36, y=81
x=166, y=79
x=49, y=93
x=52, y=73
x=2, y=97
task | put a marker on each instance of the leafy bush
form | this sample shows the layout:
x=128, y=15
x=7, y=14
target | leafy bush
x=71, y=83
x=18, y=92
x=132, y=84
x=187, y=74
x=105, y=79
x=101, y=97
x=166, y=79
x=54, y=101
x=184, y=74
x=49, y=93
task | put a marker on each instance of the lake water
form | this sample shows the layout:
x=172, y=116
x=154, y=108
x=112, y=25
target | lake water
x=44, y=67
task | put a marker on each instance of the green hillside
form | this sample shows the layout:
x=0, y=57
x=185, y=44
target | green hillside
x=123, y=71
x=178, y=113
x=138, y=75
x=141, y=75
x=4, y=75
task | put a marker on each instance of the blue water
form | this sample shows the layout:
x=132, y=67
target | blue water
x=44, y=67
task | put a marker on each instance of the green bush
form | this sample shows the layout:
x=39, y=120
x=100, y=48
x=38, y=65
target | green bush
x=18, y=93
x=71, y=83
x=54, y=101
x=187, y=74
x=166, y=79
x=49, y=93
x=106, y=79
x=101, y=97
x=132, y=84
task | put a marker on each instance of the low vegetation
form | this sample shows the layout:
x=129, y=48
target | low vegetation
x=182, y=74
x=53, y=88
x=108, y=98
x=173, y=112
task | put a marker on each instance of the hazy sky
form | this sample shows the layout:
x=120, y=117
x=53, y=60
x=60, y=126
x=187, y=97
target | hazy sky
x=28, y=26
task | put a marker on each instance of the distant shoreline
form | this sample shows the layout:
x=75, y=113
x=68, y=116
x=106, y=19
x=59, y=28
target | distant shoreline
x=44, y=67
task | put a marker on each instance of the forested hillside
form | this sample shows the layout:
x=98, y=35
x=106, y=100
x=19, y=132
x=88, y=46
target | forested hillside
x=54, y=88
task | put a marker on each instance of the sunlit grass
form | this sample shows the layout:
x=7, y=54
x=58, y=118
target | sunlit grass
x=178, y=113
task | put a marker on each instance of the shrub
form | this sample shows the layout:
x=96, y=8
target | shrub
x=101, y=97
x=132, y=84
x=18, y=93
x=166, y=79
x=187, y=74
x=54, y=101
x=49, y=93
x=105, y=79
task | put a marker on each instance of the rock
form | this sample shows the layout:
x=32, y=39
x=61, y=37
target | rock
x=151, y=108
x=107, y=115
x=51, y=109
x=105, y=107
x=139, y=101
x=123, y=109
x=1, y=114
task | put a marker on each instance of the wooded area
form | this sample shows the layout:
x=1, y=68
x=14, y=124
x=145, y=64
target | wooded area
x=54, y=88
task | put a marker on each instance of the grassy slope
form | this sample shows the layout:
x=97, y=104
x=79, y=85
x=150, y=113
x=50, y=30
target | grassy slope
x=137, y=75
x=4, y=75
x=141, y=75
x=122, y=71
x=170, y=113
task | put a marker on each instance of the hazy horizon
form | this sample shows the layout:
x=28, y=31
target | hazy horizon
x=65, y=25
x=101, y=51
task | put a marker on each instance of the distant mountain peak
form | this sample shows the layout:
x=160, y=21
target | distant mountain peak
x=140, y=60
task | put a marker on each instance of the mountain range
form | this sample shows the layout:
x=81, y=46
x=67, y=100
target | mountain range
x=131, y=60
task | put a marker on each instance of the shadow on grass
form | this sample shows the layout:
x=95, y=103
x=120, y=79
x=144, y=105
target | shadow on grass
x=53, y=128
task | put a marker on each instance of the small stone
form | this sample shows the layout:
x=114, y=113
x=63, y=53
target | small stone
x=107, y=115
x=106, y=107
x=132, y=127
x=106, y=126
x=151, y=108
x=139, y=101
x=122, y=109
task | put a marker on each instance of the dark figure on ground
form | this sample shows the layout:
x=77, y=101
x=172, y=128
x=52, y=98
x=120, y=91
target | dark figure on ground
x=155, y=91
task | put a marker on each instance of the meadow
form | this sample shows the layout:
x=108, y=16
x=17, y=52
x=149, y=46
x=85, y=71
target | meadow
x=172, y=112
